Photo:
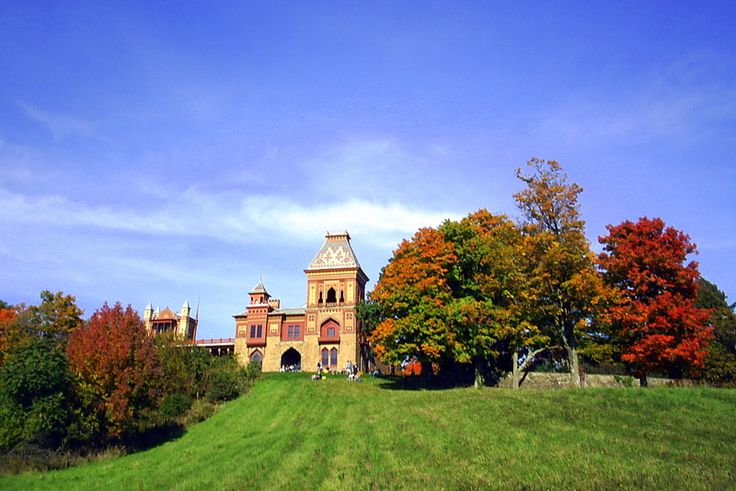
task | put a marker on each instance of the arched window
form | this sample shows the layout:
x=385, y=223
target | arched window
x=331, y=296
x=320, y=298
x=325, y=357
x=256, y=356
x=333, y=357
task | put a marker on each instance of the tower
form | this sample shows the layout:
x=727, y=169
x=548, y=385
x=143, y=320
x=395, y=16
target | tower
x=335, y=285
x=184, y=327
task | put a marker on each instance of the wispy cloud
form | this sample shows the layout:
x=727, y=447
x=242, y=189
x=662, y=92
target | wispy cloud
x=60, y=125
x=226, y=217
x=677, y=103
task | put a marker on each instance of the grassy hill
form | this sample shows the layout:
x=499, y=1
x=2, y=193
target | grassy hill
x=292, y=433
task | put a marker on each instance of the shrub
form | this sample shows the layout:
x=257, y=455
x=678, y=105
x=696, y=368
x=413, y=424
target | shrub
x=174, y=405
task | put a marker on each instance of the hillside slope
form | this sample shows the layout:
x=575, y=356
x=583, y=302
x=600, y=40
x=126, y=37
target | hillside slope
x=292, y=433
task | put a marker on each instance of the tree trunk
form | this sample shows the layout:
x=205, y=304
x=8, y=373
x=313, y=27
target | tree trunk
x=515, y=371
x=568, y=339
x=572, y=358
x=643, y=382
x=478, y=379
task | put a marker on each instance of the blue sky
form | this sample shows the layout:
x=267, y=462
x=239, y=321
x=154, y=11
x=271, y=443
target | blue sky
x=164, y=151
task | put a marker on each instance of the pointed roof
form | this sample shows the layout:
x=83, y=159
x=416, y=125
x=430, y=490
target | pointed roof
x=259, y=288
x=335, y=253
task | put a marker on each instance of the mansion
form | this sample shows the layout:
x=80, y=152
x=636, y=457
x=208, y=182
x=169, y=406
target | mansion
x=325, y=330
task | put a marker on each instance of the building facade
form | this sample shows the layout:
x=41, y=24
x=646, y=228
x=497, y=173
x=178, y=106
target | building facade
x=159, y=321
x=325, y=330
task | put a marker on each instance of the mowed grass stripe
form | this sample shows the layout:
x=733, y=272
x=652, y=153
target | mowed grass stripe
x=292, y=433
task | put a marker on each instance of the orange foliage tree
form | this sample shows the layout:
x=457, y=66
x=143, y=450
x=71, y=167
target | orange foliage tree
x=656, y=323
x=414, y=294
x=118, y=372
x=456, y=294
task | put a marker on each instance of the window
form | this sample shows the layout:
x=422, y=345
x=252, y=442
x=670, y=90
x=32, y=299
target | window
x=260, y=331
x=330, y=332
x=253, y=330
x=325, y=357
x=333, y=357
x=256, y=356
x=331, y=296
x=293, y=331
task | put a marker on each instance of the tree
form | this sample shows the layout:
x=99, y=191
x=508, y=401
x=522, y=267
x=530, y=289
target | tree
x=8, y=316
x=455, y=295
x=564, y=280
x=118, y=371
x=414, y=294
x=656, y=323
x=35, y=394
x=490, y=288
x=56, y=316
x=720, y=362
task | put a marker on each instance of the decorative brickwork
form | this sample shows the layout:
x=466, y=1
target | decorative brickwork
x=326, y=326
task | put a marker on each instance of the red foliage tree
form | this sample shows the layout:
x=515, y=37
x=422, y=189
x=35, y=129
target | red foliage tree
x=655, y=322
x=119, y=373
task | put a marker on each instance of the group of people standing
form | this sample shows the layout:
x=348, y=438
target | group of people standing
x=351, y=369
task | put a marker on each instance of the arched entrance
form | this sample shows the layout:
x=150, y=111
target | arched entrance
x=291, y=360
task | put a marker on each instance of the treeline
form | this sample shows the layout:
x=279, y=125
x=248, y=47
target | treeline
x=70, y=387
x=490, y=295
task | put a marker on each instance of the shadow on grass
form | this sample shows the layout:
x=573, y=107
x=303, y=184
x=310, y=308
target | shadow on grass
x=413, y=382
x=153, y=437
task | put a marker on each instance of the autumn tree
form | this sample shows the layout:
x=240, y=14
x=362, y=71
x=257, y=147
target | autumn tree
x=456, y=295
x=414, y=294
x=118, y=372
x=491, y=299
x=563, y=277
x=656, y=323
x=55, y=317
x=8, y=315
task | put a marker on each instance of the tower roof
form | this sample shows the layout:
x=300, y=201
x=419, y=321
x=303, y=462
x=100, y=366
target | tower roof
x=259, y=288
x=335, y=253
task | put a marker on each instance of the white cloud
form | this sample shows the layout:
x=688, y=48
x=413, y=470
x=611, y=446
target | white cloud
x=225, y=216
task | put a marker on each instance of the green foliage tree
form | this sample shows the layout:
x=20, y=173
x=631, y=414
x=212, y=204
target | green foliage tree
x=36, y=397
x=563, y=279
x=720, y=362
x=456, y=294
x=56, y=316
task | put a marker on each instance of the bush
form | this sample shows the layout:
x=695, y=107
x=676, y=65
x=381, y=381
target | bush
x=200, y=410
x=174, y=405
x=252, y=371
x=224, y=385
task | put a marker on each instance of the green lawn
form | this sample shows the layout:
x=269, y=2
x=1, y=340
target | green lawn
x=292, y=433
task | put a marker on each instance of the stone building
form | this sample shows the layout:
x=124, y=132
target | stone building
x=325, y=329
x=160, y=321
